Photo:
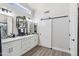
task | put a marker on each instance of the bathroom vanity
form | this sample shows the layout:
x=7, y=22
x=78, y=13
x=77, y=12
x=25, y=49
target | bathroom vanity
x=17, y=35
x=19, y=45
x=15, y=45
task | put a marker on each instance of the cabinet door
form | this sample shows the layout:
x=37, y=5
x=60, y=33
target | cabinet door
x=25, y=44
x=16, y=48
x=5, y=50
x=36, y=39
x=11, y=48
x=28, y=43
x=33, y=41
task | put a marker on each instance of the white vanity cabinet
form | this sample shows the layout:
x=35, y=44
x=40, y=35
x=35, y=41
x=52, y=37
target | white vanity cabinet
x=19, y=46
x=11, y=48
x=29, y=42
x=25, y=44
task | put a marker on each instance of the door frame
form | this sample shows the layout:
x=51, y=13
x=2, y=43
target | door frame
x=78, y=34
x=0, y=43
x=73, y=13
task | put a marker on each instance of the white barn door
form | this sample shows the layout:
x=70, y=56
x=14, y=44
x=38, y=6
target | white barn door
x=61, y=40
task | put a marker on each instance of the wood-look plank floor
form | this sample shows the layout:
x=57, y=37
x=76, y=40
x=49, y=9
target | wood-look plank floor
x=43, y=51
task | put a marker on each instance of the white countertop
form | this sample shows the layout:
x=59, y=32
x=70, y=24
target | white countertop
x=15, y=38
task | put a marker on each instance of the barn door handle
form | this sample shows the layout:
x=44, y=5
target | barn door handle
x=73, y=39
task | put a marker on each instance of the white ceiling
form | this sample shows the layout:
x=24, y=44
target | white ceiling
x=37, y=6
x=55, y=9
x=42, y=7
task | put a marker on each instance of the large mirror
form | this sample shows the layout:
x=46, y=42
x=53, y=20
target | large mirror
x=21, y=25
x=9, y=25
x=5, y=26
x=25, y=26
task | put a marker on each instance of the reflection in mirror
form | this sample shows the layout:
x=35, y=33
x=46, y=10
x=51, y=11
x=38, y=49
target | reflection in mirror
x=9, y=26
x=3, y=26
x=3, y=29
x=6, y=26
x=21, y=25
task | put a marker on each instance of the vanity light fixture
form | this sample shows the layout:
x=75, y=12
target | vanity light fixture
x=5, y=10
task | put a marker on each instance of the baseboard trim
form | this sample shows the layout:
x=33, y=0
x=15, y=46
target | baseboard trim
x=44, y=46
x=58, y=49
x=61, y=49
